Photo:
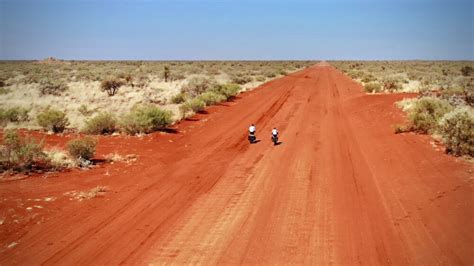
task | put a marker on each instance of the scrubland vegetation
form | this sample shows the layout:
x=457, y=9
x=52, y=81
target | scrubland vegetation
x=441, y=77
x=36, y=94
x=22, y=153
x=444, y=107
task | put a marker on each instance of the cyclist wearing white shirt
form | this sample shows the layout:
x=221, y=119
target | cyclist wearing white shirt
x=252, y=129
x=275, y=131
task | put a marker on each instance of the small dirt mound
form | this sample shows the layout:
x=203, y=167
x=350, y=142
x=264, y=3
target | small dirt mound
x=50, y=60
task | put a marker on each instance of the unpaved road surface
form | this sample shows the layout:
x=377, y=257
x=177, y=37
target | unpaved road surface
x=341, y=188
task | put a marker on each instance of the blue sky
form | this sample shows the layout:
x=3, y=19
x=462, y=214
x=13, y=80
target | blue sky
x=231, y=29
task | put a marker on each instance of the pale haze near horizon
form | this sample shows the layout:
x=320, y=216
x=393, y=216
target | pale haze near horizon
x=236, y=30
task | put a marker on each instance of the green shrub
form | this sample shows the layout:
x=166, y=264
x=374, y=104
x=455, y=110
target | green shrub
x=53, y=120
x=111, y=85
x=241, y=79
x=426, y=113
x=82, y=148
x=145, y=120
x=467, y=70
x=21, y=153
x=52, y=88
x=228, y=90
x=368, y=78
x=270, y=74
x=260, y=78
x=103, y=123
x=210, y=97
x=4, y=91
x=457, y=130
x=14, y=114
x=391, y=85
x=372, y=87
x=179, y=98
x=196, y=105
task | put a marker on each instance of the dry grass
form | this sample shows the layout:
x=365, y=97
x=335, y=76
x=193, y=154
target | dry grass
x=411, y=76
x=143, y=83
x=60, y=159
x=98, y=191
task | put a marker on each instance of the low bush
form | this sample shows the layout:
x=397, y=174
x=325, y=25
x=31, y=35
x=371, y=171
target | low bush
x=14, y=114
x=82, y=148
x=145, y=120
x=391, y=85
x=368, y=78
x=52, y=88
x=372, y=87
x=228, y=90
x=179, y=98
x=241, y=79
x=457, y=130
x=21, y=153
x=103, y=123
x=426, y=112
x=210, y=97
x=111, y=85
x=467, y=70
x=270, y=74
x=195, y=105
x=53, y=120
x=4, y=91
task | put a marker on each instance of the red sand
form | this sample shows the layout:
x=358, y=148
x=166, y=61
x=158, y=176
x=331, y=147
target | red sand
x=342, y=188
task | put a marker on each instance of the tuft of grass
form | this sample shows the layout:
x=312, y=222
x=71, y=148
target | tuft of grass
x=95, y=192
x=59, y=159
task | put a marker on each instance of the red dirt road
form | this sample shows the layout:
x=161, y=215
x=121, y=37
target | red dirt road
x=341, y=188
